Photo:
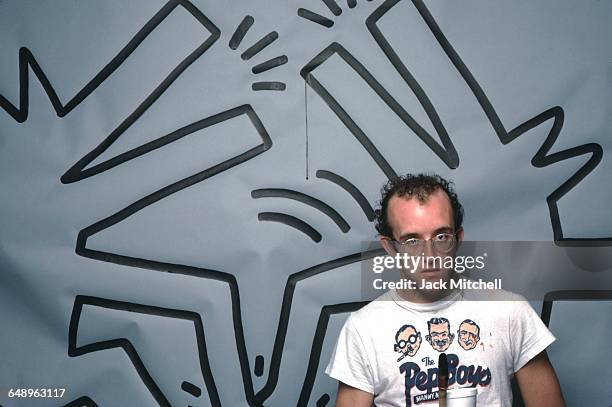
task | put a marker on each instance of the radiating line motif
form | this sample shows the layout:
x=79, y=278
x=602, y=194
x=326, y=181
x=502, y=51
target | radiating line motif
x=306, y=199
x=259, y=46
x=268, y=86
x=239, y=34
x=291, y=221
x=241, y=31
x=315, y=18
x=126, y=345
x=351, y=189
x=333, y=7
x=269, y=64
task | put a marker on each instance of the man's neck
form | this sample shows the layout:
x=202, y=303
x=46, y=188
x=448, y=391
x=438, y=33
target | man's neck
x=423, y=297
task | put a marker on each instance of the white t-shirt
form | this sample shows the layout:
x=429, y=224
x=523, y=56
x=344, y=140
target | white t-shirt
x=390, y=347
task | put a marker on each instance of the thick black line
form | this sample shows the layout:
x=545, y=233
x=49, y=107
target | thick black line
x=280, y=86
x=128, y=211
x=126, y=345
x=333, y=7
x=283, y=322
x=315, y=18
x=291, y=221
x=317, y=345
x=571, y=295
x=351, y=189
x=259, y=366
x=269, y=64
x=76, y=172
x=241, y=31
x=446, y=153
x=259, y=45
x=27, y=59
x=351, y=3
x=540, y=159
x=305, y=199
x=413, y=84
x=83, y=401
x=323, y=400
x=191, y=388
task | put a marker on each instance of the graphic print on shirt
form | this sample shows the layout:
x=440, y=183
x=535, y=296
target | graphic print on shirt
x=439, y=337
x=407, y=341
x=425, y=380
x=468, y=334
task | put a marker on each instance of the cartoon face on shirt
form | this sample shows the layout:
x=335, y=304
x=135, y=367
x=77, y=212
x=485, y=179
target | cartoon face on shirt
x=468, y=334
x=407, y=341
x=439, y=336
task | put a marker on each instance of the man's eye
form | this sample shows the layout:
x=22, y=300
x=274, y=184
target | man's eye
x=442, y=237
x=412, y=242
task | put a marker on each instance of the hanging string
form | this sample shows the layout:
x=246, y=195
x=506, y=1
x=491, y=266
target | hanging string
x=306, y=117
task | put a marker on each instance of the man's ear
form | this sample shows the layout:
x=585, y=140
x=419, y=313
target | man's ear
x=459, y=234
x=387, y=245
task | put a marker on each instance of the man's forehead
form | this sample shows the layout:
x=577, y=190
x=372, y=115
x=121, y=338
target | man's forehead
x=441, y=325
x=410, y=215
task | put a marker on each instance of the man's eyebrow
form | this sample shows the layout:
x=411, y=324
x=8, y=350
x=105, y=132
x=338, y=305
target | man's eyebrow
x=443, y=229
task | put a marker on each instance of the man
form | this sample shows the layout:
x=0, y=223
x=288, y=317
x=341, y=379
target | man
x=469, y=334
x=421, y=215
x=407, y=341
x=439, y=336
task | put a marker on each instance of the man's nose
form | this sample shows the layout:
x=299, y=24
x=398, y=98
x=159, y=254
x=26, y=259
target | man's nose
x=429, y=252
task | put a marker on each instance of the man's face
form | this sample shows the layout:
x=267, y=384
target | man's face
x=439, y=336
x=468, y=336
x=409, y=342
x=410, y=218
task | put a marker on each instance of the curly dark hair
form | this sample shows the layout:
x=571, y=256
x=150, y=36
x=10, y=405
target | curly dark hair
x=419, y=186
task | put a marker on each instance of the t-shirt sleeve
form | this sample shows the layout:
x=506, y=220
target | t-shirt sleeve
x=349, y=363
x=528, y=335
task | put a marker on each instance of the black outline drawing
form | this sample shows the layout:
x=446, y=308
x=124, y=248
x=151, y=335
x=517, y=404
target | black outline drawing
x=126, y=345
x=162, y=193
x=259, y=366
x=315, y=18
x=317, y=346
x=541, y=158
x=305, y=199
x=26, y=59
x=191, y=388
x=571, y=295
x=259, y=45
x=283, y=322
x=351, y=189
x=333, y=7
x=290, y=221
x=83, y=401
x=446, y=153
x=241, y=31
x=270, y=64
x=268, y=85
x=253, y=50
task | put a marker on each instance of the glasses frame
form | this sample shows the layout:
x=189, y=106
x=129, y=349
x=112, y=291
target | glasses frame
x=403, y=246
